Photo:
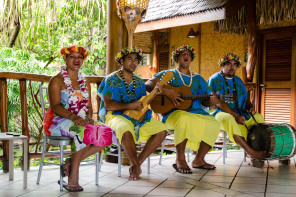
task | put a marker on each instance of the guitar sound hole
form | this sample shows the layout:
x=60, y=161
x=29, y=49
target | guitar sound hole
x=162, y=100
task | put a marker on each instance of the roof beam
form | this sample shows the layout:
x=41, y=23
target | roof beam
x=201, y=17
x=232, y=6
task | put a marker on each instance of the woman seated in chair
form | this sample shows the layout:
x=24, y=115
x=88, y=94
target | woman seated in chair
x=70, y=114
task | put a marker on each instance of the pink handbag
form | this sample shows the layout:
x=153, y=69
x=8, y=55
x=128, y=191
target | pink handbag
x=98, y=135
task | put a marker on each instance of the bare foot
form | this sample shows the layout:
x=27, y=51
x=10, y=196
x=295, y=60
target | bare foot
x=257, y=154
x=134, y=173
x=183, y=167
x=74, y=175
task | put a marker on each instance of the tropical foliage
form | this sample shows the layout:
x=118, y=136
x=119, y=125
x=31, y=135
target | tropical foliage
x=32, y=33
x=43, y=27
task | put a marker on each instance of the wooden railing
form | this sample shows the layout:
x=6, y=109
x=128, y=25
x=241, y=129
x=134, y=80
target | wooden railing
x=23, y=79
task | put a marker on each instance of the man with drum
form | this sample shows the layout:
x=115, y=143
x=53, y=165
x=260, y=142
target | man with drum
x=234, y=117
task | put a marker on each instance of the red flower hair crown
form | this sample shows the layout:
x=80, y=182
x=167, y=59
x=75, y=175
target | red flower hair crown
x=77, y=49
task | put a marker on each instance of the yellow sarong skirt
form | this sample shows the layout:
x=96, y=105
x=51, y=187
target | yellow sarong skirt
x=193, y=127
x=121, y=125
x=228, y=124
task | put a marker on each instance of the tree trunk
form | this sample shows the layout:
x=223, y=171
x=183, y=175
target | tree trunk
x=252, y=39
x=17, y=27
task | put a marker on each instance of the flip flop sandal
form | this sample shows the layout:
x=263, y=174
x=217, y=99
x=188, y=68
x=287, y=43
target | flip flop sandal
x=204, y=167
x=67, y=187
x=185, y=168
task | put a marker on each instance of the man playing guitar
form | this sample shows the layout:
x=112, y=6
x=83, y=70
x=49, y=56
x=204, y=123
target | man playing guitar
x=121, y=91
x=194, y=129
x=234, y=117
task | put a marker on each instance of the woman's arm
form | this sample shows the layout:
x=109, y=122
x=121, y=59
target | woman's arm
x=89, y=113
x=54, y=91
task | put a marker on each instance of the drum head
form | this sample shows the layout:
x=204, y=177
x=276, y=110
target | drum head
x=259, y=137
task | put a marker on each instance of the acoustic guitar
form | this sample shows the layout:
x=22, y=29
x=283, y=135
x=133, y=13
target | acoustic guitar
x=139, y=115
x=163, y=105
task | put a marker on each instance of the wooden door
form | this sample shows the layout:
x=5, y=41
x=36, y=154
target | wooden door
x=278, y=77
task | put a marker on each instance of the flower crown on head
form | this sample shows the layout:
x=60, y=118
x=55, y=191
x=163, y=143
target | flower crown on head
x=227, y=57
x=180, y=49
x=126, y=51
x=77, y=49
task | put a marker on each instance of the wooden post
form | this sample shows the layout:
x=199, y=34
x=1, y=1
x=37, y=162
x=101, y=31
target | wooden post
x=98, y=101
x=252, y=39
x=24, y=113
x=156, y=51
x=116, y=38
x=293, y=82
x=199, y=50
x=4, y=121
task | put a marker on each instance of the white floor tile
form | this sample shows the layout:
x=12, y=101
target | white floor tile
x=207, y=193
x=132, y=190
x=168, y=192
x=248, y=187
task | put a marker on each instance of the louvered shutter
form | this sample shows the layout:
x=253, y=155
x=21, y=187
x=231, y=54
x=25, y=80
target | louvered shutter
x=277, y=105
x=278, y=59
x=278, y=68
x=164, y=59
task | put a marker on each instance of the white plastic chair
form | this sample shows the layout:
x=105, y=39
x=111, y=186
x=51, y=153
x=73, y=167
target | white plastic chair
x=60, y=141
x=225, y=146
x=138, y=146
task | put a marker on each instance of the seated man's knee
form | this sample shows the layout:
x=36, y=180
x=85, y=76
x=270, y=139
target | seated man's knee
x=127, y=134
x=222, y=117
x=162, y=134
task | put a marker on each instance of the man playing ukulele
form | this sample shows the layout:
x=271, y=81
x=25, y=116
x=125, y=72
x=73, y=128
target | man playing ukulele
x=194, y=129
x=234, y=116
x=120, y=91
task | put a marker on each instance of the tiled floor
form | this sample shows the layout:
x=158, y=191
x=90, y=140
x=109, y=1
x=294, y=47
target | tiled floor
x=235, y=178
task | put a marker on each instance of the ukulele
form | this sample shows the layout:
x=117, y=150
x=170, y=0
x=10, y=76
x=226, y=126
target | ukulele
x=163, y=105
x=139, y=115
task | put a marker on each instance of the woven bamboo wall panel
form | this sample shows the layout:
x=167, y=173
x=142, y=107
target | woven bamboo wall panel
x=178, y=37
x=215, y=45
x=277, y=105
x=144, y=41
x=278, y=59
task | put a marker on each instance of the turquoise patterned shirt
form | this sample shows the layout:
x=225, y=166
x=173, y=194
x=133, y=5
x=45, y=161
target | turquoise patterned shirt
x=198, y=86
x=218, y=84
x=113, y=86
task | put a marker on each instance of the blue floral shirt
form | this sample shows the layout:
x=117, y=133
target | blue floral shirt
x=198, y=86
x=218, y=84
x=113, y=86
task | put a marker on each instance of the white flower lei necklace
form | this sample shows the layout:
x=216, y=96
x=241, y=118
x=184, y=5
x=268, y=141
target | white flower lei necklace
x=183, y=80
x=74, y=106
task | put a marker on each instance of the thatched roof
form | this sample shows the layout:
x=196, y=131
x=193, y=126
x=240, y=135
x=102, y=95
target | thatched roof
x=267, y=12
x=162, y=9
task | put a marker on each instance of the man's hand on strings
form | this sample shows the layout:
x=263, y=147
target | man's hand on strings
x=174, y=97
x=214, y=99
